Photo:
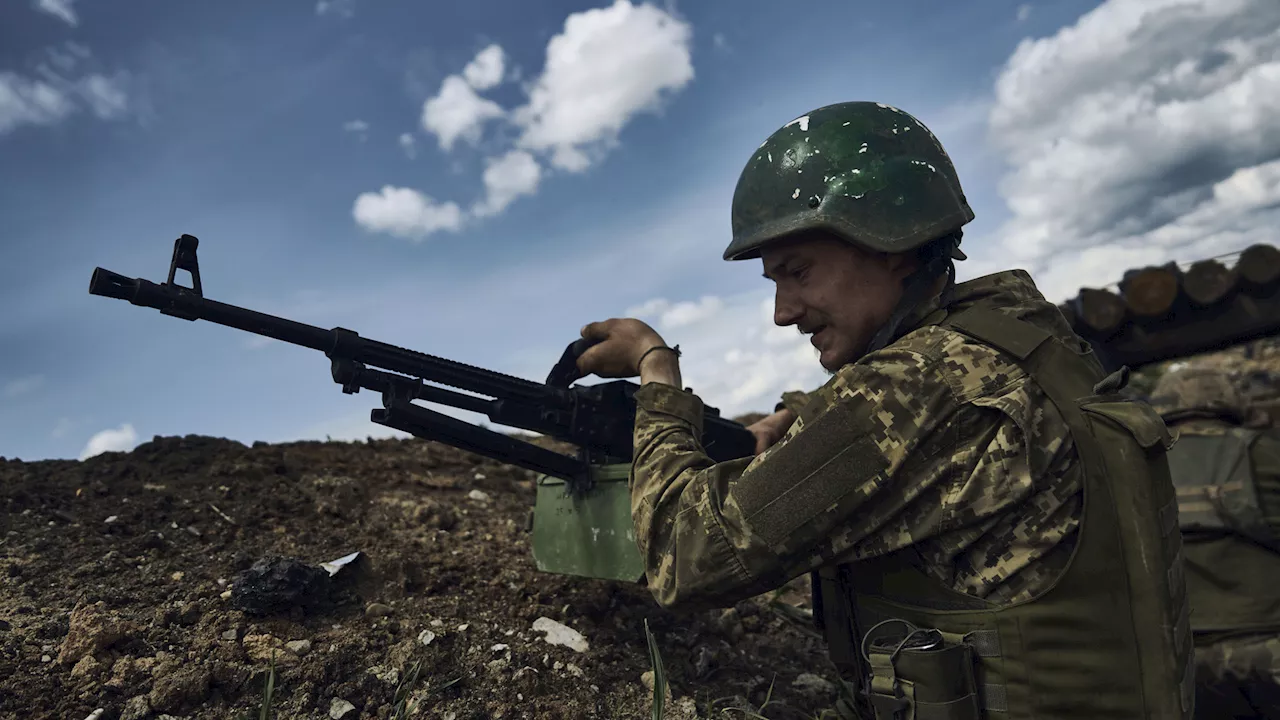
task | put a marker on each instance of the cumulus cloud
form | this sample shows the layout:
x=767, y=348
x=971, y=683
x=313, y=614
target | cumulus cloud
x=507, y=178
x=674, y=315
x=23, y=385
x=1147, y=131
x=409, y=145
x=606, y=66
x=121, y=439
x=733, y=354
x=457, y=112
x=405, y=213
x=60, y=9
x=485, y=70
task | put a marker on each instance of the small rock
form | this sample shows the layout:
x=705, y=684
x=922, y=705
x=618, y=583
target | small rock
x=574, y=670
x=96, y=714
x=230, y=635
x=426, y=636
x=278, y=584
x=111, y=518
x=377, y=610
x=45, y=658
x=560, y=634
x=180, y=690
x=810, y=683
x=86, y=667
x=730, y=623
x=647, y=679
x=479, y=495
x=498, y=648
x=437, y=623
x=298, y=647
x=339, y=708
x=268, y=648
x=91, y=630
x=388, y=675
x=463, y=627
x=136, y=708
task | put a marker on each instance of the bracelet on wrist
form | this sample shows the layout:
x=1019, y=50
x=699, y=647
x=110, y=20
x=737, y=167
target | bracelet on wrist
x=640, y=362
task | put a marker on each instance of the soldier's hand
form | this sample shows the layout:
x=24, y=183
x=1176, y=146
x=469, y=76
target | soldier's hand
x=772, y=428
x=622, y=342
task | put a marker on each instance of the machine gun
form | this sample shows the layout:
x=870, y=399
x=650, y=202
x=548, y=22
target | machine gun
x=597, y=419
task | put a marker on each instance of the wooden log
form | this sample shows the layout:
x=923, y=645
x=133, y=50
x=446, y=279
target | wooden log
x=1151, y=292
x=1207, y=282
x=1259, y=266
x=1101, y=312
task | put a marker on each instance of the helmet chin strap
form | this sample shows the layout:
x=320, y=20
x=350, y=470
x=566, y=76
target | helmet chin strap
x=919, y=286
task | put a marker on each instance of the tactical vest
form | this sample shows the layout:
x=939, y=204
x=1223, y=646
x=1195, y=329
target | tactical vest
x=1109, y=640
x=1233, y=559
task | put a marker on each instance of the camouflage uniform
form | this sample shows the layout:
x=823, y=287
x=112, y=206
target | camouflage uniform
x=979, y=472
x=938, y=485
x=1237, y=669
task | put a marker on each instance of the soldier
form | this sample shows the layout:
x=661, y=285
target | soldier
x=1227, y=478
x=967, y=491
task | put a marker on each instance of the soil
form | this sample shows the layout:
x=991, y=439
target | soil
x=126, y=580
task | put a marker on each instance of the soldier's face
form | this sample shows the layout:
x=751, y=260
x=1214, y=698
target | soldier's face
x=834, y=293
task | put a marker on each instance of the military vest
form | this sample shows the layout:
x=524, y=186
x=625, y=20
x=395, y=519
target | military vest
x=1233, y=558
x=1109, y=640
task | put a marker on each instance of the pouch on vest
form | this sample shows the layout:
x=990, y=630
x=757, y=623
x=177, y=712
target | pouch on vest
x=919, y=674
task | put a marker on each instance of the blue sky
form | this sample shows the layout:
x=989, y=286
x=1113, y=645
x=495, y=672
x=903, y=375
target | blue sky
x=257, y=126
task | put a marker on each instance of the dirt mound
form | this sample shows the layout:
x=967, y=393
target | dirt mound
x=118, y=577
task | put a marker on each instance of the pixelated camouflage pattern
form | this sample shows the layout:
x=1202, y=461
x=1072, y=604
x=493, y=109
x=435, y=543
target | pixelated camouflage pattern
x=1238, y=677
x=936, y=442
x=1197, y=390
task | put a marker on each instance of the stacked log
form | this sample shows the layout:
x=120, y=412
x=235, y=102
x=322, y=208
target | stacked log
x=1159, y=313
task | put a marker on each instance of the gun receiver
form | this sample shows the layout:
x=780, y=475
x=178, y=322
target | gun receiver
x=598, y=419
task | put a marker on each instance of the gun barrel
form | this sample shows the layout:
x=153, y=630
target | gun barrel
x=112, y=285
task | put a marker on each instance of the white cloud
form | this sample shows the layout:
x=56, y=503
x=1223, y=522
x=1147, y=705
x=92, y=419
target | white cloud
x=340, y=8
x=457, y=112
x=1024, y=12
x=121, y=439
x=485, y=70
x=25, y=101
x=733, y=355
x=606, y=66
x=405, y=213
x=507, y=178
x=23, y=385
x=409, y=145
x=359, y=128
x=106, y=96
x=60, y=9
x=1147, y=131
x=670, y=316
x=46, y=101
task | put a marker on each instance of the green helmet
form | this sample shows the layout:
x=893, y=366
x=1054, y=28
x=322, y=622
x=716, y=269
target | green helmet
x=1197, y=391
x=868, y=173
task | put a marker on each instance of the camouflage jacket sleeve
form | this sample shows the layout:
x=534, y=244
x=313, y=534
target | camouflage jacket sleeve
x=892, y=451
